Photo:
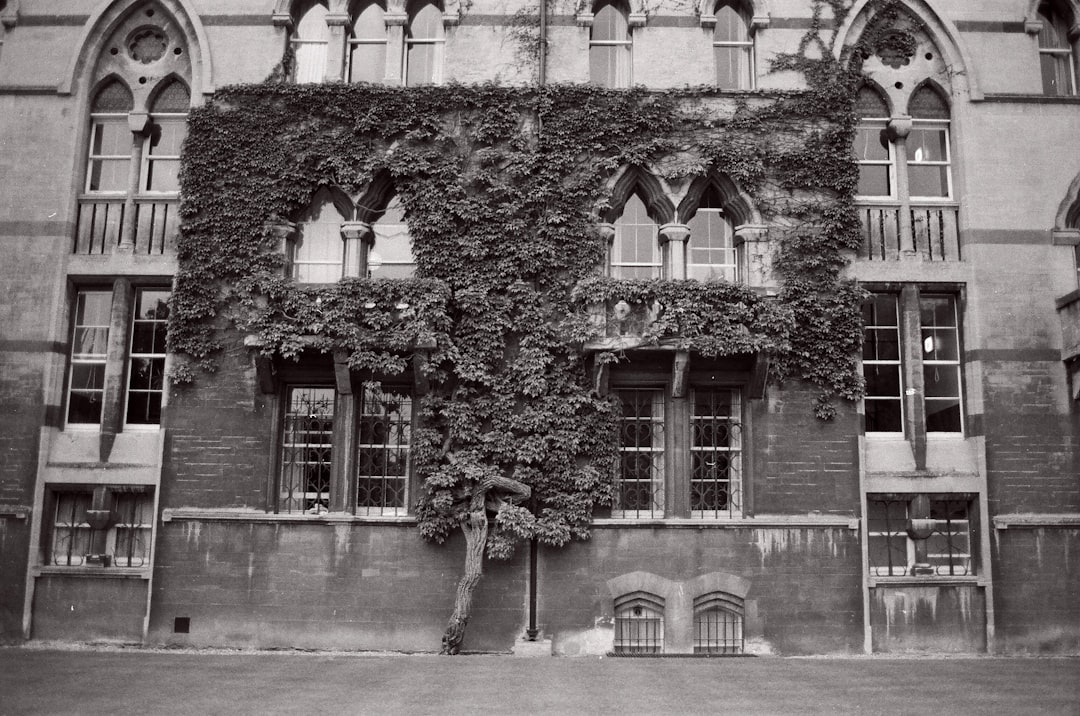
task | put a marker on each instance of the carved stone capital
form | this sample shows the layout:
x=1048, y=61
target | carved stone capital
x=356, y=231
x=674, y=232
x=899, y=127
x=751, y=233
x=607, y=231
x=282, y=19
x=139, y=122
x=337, y=18
x=398, y=19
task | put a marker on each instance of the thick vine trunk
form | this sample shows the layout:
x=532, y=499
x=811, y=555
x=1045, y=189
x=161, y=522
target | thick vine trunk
x=475, y=529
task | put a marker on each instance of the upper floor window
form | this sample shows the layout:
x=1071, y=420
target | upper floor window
x=424, y=41
x=144, y=357
x=893, y=359
x=367, y=45
x=311, y=41
x=1056, y=53
x=928, y=153
x=324, y=251
x=710, y=251
x=733, y=47
x=108, y=168
x=320, y=251
x=161, y=159
x=610, y=45
x=873, y=150
x=391, y=250
x=112, y=144
x=635, y=250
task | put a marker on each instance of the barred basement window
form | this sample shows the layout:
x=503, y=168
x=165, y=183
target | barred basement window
x=639, y=491
x=896, y=548
x=639, y=624
x=715, y=454
x=718, y=624
x=382, y=461
x=307, y=449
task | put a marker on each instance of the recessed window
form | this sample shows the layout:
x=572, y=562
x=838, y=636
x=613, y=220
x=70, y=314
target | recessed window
x=113, y=531
x=639, y=491
x=89, y=354
x=310, y=42
x=710, y=250
x=733, y=48
x=307, y=449
x=610, y=45
x=639, y=625
x=110, y=139
x=873, y=150
x=424, y=41
x=391, y=253
x=635, y=251
x=921, y=536
x=715, y=454
x=1056, y=59
x=382, y=461
x=928, y=153
x=319, y=256
x=884, y=400
x=146, y=360
x=367, y=45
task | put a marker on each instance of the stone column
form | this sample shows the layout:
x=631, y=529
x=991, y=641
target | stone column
x=755, y=258
x=358, y=238
x=337, y=23
x=898, y=130
x=674, y=238
x=112, y=409
x=607, y=233
x=140, y=126
x=395, y=46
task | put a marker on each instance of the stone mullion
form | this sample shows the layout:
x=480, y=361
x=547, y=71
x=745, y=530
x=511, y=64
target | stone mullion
x=898, y=130
x=140, y=126
x=337, y=23
x=395, y=47
x=116, y=366
x=911, y=352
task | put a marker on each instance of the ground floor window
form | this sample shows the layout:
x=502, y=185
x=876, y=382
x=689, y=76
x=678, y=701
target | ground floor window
x=102, y=526
x=921, y=535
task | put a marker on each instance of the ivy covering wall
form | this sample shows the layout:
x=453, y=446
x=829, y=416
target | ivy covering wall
x=503, y=188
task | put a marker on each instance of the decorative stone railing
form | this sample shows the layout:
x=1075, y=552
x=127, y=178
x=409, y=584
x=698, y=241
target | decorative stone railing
x=927, y=233
x=145, y=226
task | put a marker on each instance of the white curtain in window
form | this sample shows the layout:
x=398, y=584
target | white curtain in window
x=610, y=47
x=733, y=49
x=367, y=55
x=424, y=46
x=310, y=44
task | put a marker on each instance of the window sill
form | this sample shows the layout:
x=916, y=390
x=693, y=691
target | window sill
x=1066, y=520
x=181, y=514
x=1031, y=98
x=928, y=581
x=758, y=522
x=95, y=572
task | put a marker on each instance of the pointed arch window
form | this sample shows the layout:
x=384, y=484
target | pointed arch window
x=733, y=47
x=311, y=41
x=635, y=251
x=710, y=251
x=610, y=45
x=424, y=40
x=928, y=152
x=161, y=160
x=319, y=254
x=110, y=139
x=391, y=253
x=873, y=151
x=367, y=45
x=1056, y=53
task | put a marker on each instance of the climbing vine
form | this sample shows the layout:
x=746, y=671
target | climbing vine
x=502, y=188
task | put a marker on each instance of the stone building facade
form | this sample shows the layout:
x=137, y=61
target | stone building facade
x=940, y=513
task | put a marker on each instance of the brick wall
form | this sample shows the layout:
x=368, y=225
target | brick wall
x=803, y=464
x=305, y=585
x=1036, y=583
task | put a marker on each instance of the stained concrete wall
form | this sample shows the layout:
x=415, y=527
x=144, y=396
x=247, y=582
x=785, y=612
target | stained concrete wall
x=928, y=618
x=89, y=608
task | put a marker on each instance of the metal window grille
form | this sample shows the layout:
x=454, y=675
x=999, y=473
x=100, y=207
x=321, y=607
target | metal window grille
x=718, y=624
x=715, y=454
x=71, y=529
x=307, y=450
x=948, y=549
x=385, y=430
x=640, y=488
x=639, y=626
x=131, y=541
